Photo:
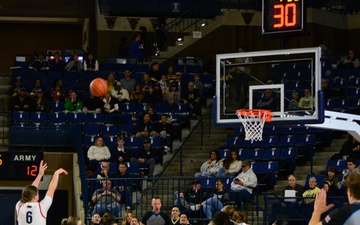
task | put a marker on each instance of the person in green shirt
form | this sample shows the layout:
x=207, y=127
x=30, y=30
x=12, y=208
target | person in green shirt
x=72, y=104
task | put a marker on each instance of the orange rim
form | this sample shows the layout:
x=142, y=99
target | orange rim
x=255, y=112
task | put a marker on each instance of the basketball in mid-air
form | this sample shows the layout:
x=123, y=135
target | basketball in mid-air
x=98, y=87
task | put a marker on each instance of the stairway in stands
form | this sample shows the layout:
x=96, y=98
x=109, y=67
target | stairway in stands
x=5, y=84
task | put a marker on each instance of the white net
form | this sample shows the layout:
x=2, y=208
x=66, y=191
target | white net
x=253, y=122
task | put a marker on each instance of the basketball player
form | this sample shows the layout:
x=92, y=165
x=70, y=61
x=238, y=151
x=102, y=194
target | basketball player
x=28, y=209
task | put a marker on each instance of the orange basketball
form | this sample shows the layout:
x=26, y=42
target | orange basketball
x=98, y=87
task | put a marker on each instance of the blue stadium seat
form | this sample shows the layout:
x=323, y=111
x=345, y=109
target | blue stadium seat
x=70, y=75
x=88, y=140
x=269, y=141
x=107, y=66
x=227, y=182
x=94, y=117
x=123, y=67
x=127, y=107
x=75, y=117
x=57, y=117
x=108, y=129
x=38, y=74
x=193, y=69
x=156, y=142
x=238, y=131
x=271, y=154
x=208, y=182
x=288, y=153
x=256, y=167
x=56, y=106
x=163, y=108
x=125, y=129
x=268, y=167
x=22, y=74
x=110, y=140
x=340, y=164
x=91, y=129
x=288, y=140
x=223, y=153
x=141, y=68
x=305, y=139
x=20, y=116
x=87, y=76
x=133, y=168
x=39, y=116
x=255, y=154
x=133, y=142
x=243, y=153
x=54, y=75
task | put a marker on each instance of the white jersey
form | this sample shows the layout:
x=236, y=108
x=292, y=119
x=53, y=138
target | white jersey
x=33, y=213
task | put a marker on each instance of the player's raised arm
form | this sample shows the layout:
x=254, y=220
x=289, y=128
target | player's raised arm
x=54, y=182
x=42, y=167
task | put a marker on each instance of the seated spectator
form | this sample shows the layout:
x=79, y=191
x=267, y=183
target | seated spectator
x=124, y=185
x=56, y=63
x=175, y=215
x=349, y=149
x=331, y=179
x=103, y=171
x=189, y=202
x=134, y=121
x=170, y=74
x=238, y=217
x=74, y=64
x=119, y=154
x=181, y=86
x=351, y=169
x=95, y=219
x=21, y=102
x=146, y=82
x=39, y=63
x=37, y=88
x=164, y=130
x=351, y=62
x=294, y=102
x=91, y=64
x=57, y=94
x=164, y=84
x=111, y=105
x=155, y=216
x=216, y=200
x=137, y=95
x=306, y=102
x=41, y=102
x=153, y=116
x=106, y=199
x=109, y=219
x=97, y=152
x=267, y=101
x=121, y=94
x=154, y=72
x=191, y=97
x=92, y=105
x=145, y=128
x=198, y=84
x=146, y=157
x=230, y=166
x=244, y=183
x=309, y=197
x=173, y=95
x=127, y=218
x=184, y=219
x=72, y=103
x=127, y=82
x=111, y=81
x=152, y=96
x=72, y=220
x=134, y=221
x=211, y=167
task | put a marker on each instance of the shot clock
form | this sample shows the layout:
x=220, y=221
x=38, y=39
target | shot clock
x=19, y=166
x=282, y=16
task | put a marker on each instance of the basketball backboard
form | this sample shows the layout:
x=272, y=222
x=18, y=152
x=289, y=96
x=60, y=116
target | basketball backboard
x=269, y=80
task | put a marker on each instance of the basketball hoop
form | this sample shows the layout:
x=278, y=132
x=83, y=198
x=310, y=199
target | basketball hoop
x=253, y=121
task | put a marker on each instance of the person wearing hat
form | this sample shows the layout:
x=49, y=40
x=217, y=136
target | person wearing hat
x=121, y=94
x=41, y=102
x=22, y=102
x=244, y=183
x=146, y=157
x=331, y=178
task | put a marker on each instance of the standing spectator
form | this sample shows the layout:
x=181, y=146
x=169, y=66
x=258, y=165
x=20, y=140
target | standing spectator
x=91, y=64
x=121, y=94
x=136, y=49
x=111, y=105
x=127, y=82
x=39, y=63
x=229, y=166
x=146, y=157
x=72, y=103
x=211, y=166
x=164, y=130
x=106, y=199
x=22, y=102
x=92, y=105
x=306, y=102
x=175, y=215
x=244, y=183
x=191, y=97
x=56, y=64
x=155, y=216
x=119, y=154
x=74, y=64
x=124, y=185
x=97, y=152
x=216, y=201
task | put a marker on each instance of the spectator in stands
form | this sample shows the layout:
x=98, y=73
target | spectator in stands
x=146, y=82
x=170, y=74
x=173, y=96
x=331, y=178
x=175, y=215
x=92, y=105
x=97, y=152
x=134, y=121
x=306, y=102
x=136, y=49
x=164, y=83
x=189, y=202
x=349, y=149
x=351, y=62
x=137, y=95
x=267, y=101
x=119, y=154
x=216, y=200
x=127, y=82
x=22, y=102
x=145, y=128
x=155, y=216
x=191, y=96
x=134, y=221
x=325, y=89
x=91, y=64
x=184, y=219
x=153, y=115
x=57, y=94
x=309, y=195
x=72, y=220
x=37, y=87
x=154, y=72
x=39, y=63
x=72, y=103
x=198, y=84
x=124, y=185
x=152, y=96
x=146, y=157
x=41, y=102
x=238, y=217
x=330, y=195
x=109, y=219
x=294, y=102
x=181, y=86
x=106, y=199
x=164, y=130
x=111, y=105
x=95, y=219
x=103, y=171
x=229, y=166
x=244, y=183
x=351, y=169
x=127, y=218
x=111, y=81
x=288, y=205
x=74, y=64
x=56, y=63
x=120, y=93
x=211, y=166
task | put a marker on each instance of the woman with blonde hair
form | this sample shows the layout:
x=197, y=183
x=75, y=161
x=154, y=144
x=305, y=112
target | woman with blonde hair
x=127, y=219
x=72, y=220
x=238, y=217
